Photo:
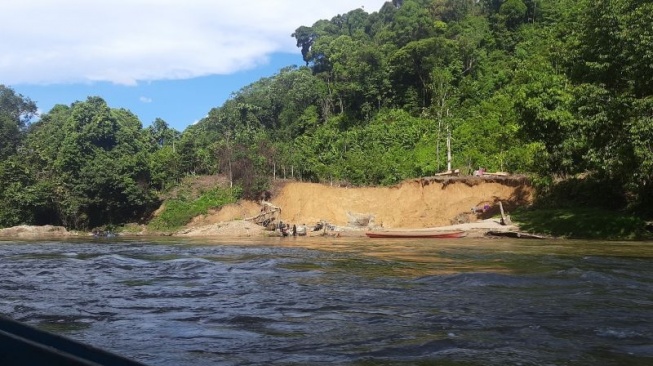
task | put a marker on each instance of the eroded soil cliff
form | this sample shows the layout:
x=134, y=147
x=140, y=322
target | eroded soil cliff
x=415, y=203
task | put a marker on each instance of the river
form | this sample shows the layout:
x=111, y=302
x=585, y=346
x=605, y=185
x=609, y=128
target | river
x=340, y=301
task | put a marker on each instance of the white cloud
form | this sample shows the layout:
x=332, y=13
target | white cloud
x=127, y=41
x=145, y=100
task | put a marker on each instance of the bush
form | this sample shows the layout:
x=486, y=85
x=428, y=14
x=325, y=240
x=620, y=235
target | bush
x=582, y=223
x=178, y=212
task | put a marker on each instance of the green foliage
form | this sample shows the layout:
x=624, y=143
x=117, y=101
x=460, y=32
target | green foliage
x=14, y=179
x=513, y=13
x=588, y=191
x=582, y=223
x=165, y=167
x=81, y=166
x=15, y=113
x=382, y=152
x=102, y=167
x=179, y=211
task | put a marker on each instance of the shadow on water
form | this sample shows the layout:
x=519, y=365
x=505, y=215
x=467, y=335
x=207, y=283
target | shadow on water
x=346, y=301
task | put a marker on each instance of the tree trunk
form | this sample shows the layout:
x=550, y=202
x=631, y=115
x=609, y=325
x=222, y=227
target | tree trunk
x=448, y=149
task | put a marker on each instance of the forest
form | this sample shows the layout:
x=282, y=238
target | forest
x=559, y=90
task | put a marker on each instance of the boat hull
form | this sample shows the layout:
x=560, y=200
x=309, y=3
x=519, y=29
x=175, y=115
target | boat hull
x=416, y=234
x=22, y=344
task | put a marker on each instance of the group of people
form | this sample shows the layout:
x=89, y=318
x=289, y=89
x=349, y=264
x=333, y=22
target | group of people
x=103, y=234
x=287, y=230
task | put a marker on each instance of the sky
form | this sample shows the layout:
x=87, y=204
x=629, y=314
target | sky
x=169, y=59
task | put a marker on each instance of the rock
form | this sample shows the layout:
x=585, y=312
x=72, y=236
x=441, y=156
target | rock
x=35, y=232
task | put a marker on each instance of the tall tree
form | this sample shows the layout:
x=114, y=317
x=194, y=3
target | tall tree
x=96, y=162
x=16, y=112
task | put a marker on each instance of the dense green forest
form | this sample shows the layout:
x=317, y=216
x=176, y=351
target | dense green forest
x=561, y=90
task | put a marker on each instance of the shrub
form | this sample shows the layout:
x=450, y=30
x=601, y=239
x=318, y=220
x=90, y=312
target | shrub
x=179, y=211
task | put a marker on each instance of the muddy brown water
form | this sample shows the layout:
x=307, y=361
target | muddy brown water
x=340, y=301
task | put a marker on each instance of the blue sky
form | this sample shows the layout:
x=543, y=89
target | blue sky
x=171, y=59
x=179, y=102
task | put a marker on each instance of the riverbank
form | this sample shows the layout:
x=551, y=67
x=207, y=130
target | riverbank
x=239, y=229
x=471, y=204
x=242, y=228
x=37, y=232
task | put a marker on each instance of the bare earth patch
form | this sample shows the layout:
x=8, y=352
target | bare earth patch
x=420, y=203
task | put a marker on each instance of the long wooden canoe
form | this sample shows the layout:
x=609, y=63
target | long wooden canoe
x=436, y=234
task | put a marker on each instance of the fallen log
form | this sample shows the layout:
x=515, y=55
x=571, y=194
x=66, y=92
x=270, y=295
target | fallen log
x=515, y=234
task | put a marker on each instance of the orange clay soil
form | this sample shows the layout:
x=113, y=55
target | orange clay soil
x=418, y=203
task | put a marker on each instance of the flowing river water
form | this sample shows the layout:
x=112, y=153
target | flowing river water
x=340, y=301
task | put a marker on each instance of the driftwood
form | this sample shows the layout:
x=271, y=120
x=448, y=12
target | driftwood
x=515, y=234
x=496, y=174
x=448, y=173
x=269, y=213
x=505, y=219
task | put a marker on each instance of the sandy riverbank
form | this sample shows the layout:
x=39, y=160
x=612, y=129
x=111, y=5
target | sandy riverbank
x=241, y=228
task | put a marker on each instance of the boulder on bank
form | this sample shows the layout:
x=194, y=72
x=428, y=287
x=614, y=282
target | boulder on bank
x=35, y=232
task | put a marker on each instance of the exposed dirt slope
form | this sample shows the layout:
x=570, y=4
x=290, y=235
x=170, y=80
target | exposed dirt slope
x=413, y=204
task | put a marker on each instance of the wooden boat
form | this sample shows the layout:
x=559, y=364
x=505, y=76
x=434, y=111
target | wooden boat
x=22, y=344
x=434, y=234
